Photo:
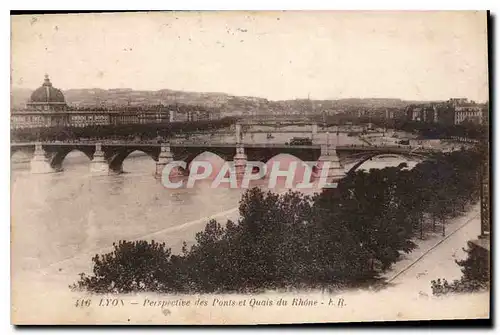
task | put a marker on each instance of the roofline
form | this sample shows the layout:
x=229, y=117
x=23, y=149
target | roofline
x=46, y=103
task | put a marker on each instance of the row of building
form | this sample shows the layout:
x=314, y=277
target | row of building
x=76, y=118
x=47, y=107
x=454, y=111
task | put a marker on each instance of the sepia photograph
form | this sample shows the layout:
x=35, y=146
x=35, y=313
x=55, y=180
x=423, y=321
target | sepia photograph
x=249, y=167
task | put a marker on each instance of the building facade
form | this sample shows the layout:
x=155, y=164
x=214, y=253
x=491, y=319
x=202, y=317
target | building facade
x=454, y=111
x=47, y=108
x=469, y=113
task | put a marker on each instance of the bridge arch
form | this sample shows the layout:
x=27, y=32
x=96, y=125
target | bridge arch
x=209, y=153
x=370, y=156
x=215, y=158
x=117, y=159
x=188, y=154
x=17, y=153
x=264, y=154
x=58, y=157
x=20, y=158
x=285, y=159
x=282, y=156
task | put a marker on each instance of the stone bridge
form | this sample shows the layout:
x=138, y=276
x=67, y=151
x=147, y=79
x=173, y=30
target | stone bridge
x=108, y=157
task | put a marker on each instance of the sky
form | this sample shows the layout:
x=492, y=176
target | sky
x=273, y=55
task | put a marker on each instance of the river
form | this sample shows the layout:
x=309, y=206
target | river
x=60, y=220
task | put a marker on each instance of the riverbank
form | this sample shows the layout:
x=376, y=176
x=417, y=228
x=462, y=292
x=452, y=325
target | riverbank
x=435, y=255
x=174, y=237
x=408, y=295
x=66, y=271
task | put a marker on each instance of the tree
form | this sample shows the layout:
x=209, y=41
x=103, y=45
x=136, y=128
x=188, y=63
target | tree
x=340, y=237
x=132, y=266
x=475, y=273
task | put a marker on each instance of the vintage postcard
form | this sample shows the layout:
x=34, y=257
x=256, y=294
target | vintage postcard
x=282, y=167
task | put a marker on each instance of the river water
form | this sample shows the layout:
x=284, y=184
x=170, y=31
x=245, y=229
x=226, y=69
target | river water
x=60, y=220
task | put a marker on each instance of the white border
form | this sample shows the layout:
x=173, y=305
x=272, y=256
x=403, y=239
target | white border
x=184, y=5
x=258, y=5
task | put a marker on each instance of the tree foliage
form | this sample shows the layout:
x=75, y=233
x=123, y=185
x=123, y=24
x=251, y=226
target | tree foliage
x=340, y=237
x=475, y=274
x=146, y=131
x=132, y=266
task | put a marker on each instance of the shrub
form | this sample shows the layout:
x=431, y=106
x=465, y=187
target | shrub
x=476, y=274
x=132, y=266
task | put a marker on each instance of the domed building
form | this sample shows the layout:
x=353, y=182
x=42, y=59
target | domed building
x=47, y=108
x=47, y=98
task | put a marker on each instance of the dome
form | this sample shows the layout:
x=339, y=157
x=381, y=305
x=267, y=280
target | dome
x=47, y=94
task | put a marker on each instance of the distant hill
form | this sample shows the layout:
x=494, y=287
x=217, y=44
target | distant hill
x=228, y=103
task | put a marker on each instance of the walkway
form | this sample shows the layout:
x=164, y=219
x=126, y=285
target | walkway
x=435, y=256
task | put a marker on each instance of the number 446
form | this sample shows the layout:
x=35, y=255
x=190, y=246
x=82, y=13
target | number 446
x=83, y=303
